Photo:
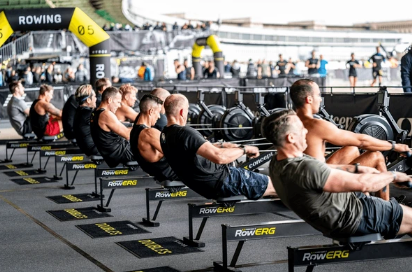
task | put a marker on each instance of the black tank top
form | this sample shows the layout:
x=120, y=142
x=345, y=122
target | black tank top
x=38, y=122
x=161, y=169
x=82, y=133
x=110, y=145
x=69, y=110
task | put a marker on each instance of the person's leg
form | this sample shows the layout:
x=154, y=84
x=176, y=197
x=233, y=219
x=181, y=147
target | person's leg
x=374, y=75
x=344, y=155
x=380, y=80
x=355, y=79
x=406, y=225
x=270, y=190
x=376, y=160
x=351, y=81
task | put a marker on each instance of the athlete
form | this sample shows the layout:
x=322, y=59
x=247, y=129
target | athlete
x=86, y=99
x=108, y=133
x=100, y=85
x=353, y=75
x=17, y=109
x=377, y=60
x=306, y=98
x=129, y=96
x=203, y=166
x=331, y=197
x=45, y=119
x=145, y=140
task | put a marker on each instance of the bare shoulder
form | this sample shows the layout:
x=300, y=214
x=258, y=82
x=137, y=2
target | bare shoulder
x=108, y=116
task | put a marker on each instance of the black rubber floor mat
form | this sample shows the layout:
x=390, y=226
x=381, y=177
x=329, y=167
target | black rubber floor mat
x=78, y=214
x=20, y=173
x=33, y=180
x=110, y=229
x=10, y=166
x=156, y=247
x=64, y=199
x=157, y=269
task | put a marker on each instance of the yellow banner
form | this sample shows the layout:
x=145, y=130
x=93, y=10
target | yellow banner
x=86, y=29
x=5, y=28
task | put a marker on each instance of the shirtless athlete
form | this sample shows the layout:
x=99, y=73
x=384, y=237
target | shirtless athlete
x=126, y=113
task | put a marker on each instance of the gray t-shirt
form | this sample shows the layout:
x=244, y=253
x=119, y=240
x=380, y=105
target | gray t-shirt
x=299, y=183
x=15, y=111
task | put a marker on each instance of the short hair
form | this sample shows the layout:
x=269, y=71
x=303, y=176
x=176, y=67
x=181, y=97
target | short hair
x=276, y=126
x=161, y=93
x=13, y=86
x=110, y=92
x=45, y=88
x=173, y=103
x=83, y=92
x=299, y=90
x=100, y=83
x=148, y=101
x=126, y=88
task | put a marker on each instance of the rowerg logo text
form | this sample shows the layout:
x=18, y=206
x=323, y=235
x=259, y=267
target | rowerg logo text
x=40, y=19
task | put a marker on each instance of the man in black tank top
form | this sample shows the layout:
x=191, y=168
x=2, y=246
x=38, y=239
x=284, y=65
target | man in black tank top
x=69, y=110
x=86, y=99
x=145, y=140
x=203, y=166
x=108, y=133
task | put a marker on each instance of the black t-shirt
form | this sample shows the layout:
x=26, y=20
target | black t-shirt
x=207, y=74
x=352, y=69
x=282, y=66
x=161, y=169
x=180, y=145
x=161, y=122
x=377, y=58
x=313, y=70
x=82, y=131
x=69, y=110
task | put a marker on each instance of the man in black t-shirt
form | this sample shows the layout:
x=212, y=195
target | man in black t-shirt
x=211, y=72
x=353, y=75
x=202, y=166
x=377, y=59
x=281, y=66
x=313, y=64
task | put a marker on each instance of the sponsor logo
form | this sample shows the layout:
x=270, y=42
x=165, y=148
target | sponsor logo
x=54, y=153
x=255, y=232
x=75, y=213
x=109, y=229
x=259, y=161
x=10, y=166
x=155, y=247
x=19, y=145
x=74, y=158
x=329, y=255
x=216, y=210
x=84, y=166
x=122, y=183
x=99, y=70
x=72, y=198
x=40, y=19
x=170, y=195
x=115, y=172
x=344, y=121
x=21, y=173
x=30, y=180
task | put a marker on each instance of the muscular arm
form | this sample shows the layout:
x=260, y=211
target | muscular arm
x=52, y=110
x=330, y=133
x=219, y=155
x=307, y=64
x=180, y=68
x=340, y=181
x=109, y=120
x=152, y=136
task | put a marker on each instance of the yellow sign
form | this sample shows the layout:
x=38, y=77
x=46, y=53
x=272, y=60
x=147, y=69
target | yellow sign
x=5, y=28
x=86, y=29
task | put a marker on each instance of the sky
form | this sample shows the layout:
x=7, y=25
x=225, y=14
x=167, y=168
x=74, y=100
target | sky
x=330, y=12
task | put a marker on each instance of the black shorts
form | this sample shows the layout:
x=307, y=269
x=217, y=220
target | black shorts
x=376, y=73
x=353, y=74
x=379, y=216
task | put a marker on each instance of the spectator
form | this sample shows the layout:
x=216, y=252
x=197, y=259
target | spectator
x=251, y=69
x=147, y=73
x=164, y=27
x=290, y=67
x=49, y=74
x=37, y=75
x=17, y=109
x=190, y=71
x=175, y=26
x=227, y=66
x=259, y=68
x=353, y=75
x=28, y=76
x=184, y=27
x=81, y=75
x=377, y=60
x=180, y=70
x=115, y=79
x=58, y=77
x=264, y=68
x=322, y=67
x=271, y=68
x=157, y=27
x=136, y=28
x=211, y=72
x=69, y=75
x=281, y=66
x=235, y=69
x=406, y=70
x=127, y=27
x=190, y=26
x=312, y=64
x=13, y=77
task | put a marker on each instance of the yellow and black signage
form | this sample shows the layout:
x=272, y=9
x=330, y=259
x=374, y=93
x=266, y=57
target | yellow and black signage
x=213, y=42
x=108, y=229
x=73, y=19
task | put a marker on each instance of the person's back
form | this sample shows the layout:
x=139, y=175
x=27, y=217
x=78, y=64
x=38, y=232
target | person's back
x=38, y=122
x=17, y=110
x=69, y=110
x=251, y=69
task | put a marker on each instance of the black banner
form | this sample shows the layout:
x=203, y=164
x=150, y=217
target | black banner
x=39, y=19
